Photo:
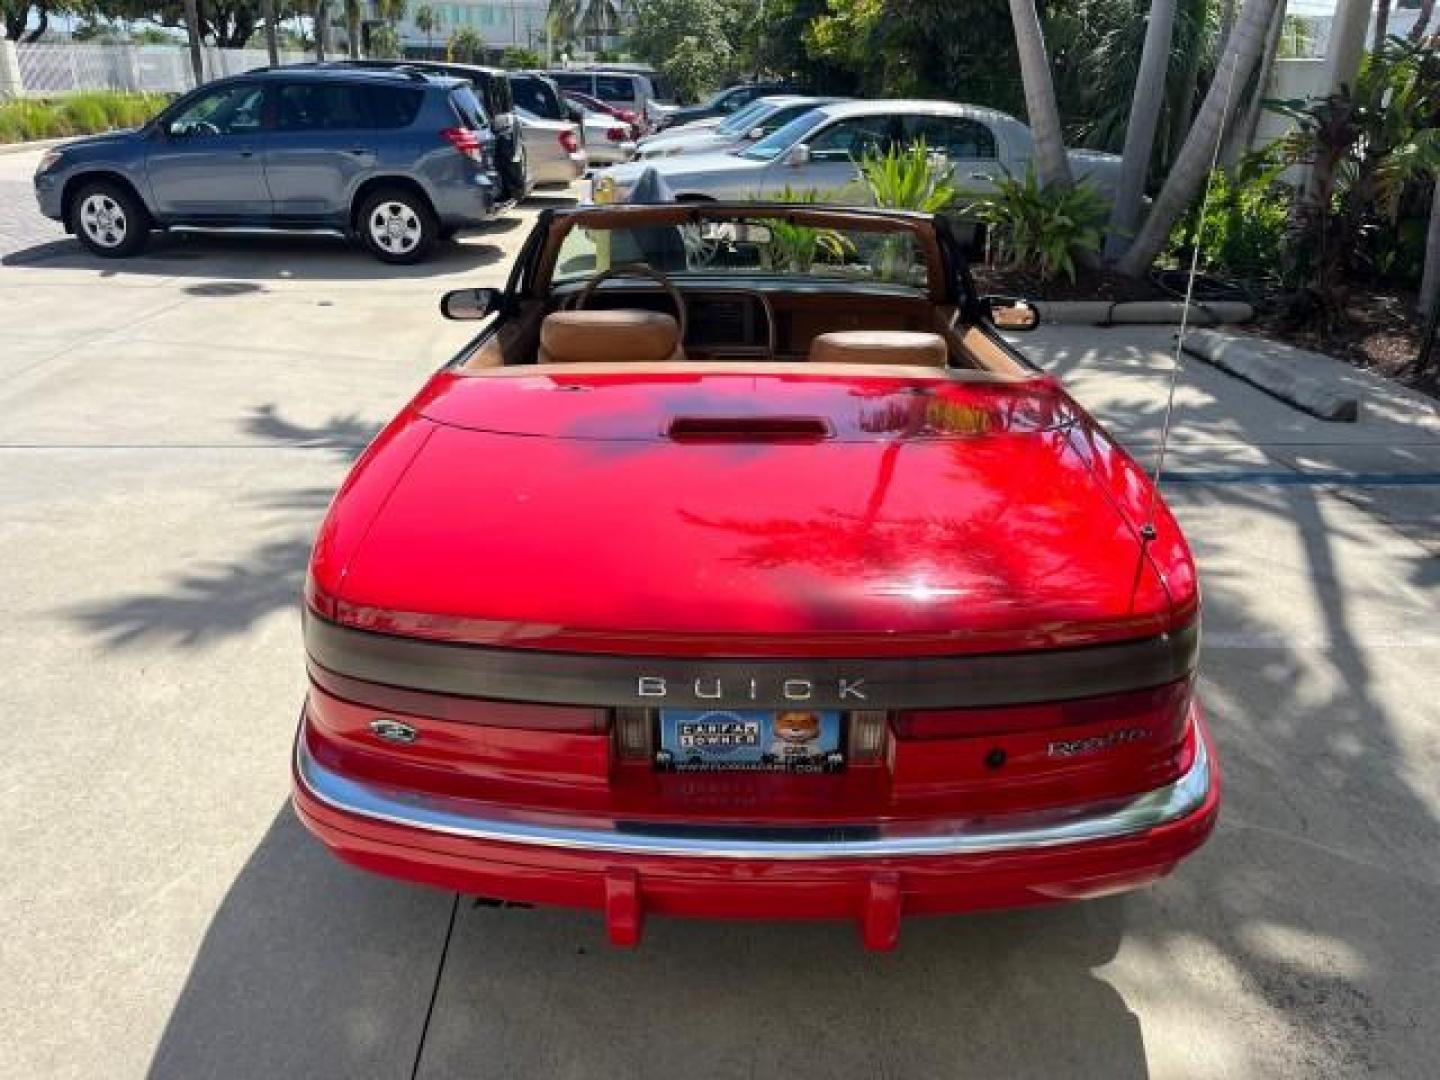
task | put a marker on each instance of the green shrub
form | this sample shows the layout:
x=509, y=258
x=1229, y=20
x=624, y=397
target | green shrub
x=908, y=179
x=1041, y=230
x=1244, y=228
x=27, y=119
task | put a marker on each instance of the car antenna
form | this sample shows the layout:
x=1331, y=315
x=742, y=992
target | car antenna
x=1147, y=530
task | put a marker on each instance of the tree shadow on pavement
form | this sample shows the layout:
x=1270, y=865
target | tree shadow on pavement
x=210, y=601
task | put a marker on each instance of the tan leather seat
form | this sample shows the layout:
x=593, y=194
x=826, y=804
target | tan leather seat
x=605, y=337
x=879, y=347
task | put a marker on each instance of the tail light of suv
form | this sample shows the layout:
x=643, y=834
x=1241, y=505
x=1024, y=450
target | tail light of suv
x=467, y=142
x=568, y=142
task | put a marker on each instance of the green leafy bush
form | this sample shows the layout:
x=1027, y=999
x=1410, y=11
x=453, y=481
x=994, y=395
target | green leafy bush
x=1041, y=230
x=912, y=178
x=27, y=119
x=1244, y=227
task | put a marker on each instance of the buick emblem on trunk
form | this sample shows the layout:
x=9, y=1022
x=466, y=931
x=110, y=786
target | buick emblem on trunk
x=714, y=689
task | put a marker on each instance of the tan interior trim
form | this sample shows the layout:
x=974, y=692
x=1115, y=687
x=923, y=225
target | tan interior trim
x=755, y=367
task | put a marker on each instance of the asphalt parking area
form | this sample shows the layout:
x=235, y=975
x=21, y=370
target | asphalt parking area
x=170, y=432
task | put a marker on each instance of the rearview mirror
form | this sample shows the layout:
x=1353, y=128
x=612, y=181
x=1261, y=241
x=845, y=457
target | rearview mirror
x=470, y=304
x=799, y=155
x=1011, y=313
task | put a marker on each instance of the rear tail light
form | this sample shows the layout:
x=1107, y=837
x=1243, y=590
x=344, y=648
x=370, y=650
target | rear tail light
x=617, y=134
x=393, y=700
x=1157, y=707
x=466, y=141
x=568, y=142
x=628, y=116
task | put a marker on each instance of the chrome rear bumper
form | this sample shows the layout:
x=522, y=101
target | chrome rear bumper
x=1111, y=819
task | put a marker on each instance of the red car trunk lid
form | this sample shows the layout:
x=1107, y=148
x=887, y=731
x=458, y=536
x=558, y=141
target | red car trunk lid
x=741, y=514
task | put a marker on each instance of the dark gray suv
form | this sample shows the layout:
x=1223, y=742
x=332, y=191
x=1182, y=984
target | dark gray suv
x=395, y=158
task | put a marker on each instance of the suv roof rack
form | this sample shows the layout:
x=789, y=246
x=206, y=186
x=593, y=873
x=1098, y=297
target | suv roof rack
x=411, y=73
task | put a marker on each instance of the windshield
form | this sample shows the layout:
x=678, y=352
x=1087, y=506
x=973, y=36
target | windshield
x=781, y=139
x=877, y=251
x=738, y=121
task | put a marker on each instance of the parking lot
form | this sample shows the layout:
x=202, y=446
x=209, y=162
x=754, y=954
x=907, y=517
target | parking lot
x=171, y=429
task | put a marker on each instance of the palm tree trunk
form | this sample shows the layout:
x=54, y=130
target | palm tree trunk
x=1051, y=165
x=1192, y=165
x=352, y=28
x=272, y=34
x=1428, y=301
x=322, y=28
x=1427, y=8
x=1145, y=106
x=1247, y=123
x=1182, y=109
x=192, y=30
x=1382, y=25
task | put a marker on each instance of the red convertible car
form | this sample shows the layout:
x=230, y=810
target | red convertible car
x=740, y=569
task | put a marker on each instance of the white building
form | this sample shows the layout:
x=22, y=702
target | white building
x=502, y=23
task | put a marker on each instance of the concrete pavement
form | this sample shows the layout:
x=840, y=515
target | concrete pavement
x=170, y=431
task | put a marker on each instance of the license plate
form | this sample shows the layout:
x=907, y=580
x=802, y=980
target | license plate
x=702, y=740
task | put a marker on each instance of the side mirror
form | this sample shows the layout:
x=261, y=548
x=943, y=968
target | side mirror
x=799, y=155
x=1011, y=313
x=470, y=304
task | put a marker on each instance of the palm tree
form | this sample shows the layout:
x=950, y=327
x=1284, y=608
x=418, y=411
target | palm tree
x=352, y=28
x=1145, y=106
x=427, y=22
x=1051, y=165
x=192, y=31
x=1192, y=164
x=272, y=36
x=322, y=28
x=1428, y=302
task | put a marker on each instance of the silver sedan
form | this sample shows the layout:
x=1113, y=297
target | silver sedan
x=554, y=152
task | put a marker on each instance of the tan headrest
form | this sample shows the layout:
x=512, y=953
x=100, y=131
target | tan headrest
x=879, y=347
x=602, y=337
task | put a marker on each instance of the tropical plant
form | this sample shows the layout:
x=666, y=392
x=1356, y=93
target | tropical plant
x=465, y=46
x=1244, y=224
x=1192, y=164
x=352, y=28
x=909, y=178
x=385, y=42
x=427, y=21
x=516, y=58
x=584, y=21
x=1041, y=230
x=1364, y=147
x=798, y=248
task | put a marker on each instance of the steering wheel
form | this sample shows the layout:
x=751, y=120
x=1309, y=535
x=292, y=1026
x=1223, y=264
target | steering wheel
x=636, y=270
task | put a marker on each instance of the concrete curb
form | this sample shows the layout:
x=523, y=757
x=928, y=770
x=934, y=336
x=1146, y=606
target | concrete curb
x=39, y=144
x=1277, y=369
x=1147, y=312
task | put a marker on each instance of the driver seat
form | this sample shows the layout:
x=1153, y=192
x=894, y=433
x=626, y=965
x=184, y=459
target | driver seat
x=623, y=335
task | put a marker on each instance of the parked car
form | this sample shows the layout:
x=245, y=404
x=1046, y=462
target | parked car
x=818, y=151
x=732, y=573
x=492, y=87
x=722, y=103
x=750, y=124
x=608, y=140
x=395, y=159
x=631, y=90
x=538, y=95
x=553, y=149
x=593, y=104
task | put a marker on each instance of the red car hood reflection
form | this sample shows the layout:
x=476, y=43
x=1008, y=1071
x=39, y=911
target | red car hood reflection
x=832, y=515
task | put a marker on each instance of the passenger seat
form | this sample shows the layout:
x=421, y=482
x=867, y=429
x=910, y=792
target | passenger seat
x=879, y=347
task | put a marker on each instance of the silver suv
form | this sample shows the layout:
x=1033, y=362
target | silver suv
x=396, y=159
